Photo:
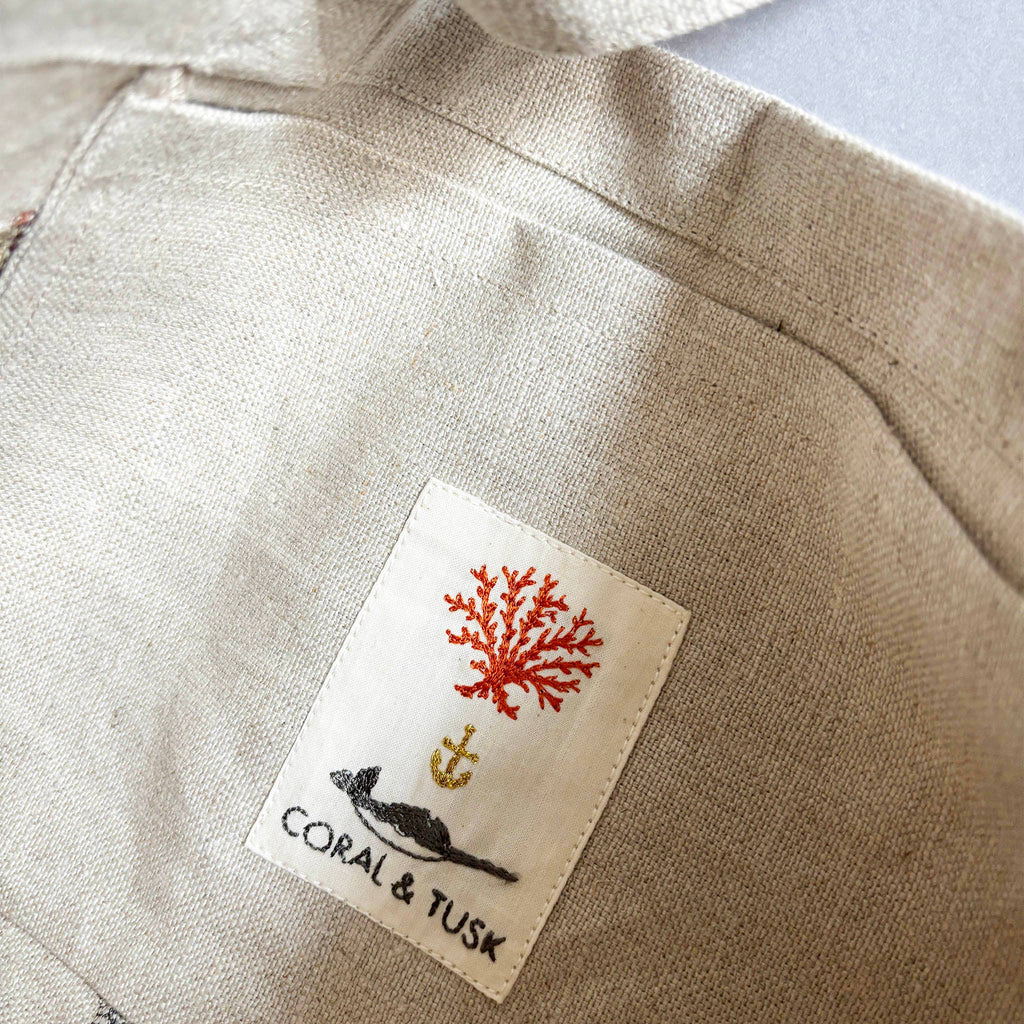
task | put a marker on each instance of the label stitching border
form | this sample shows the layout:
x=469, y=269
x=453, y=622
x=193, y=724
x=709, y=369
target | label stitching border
x=638, y=721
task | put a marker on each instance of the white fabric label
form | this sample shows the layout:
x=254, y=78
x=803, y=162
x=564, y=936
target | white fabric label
x=469, y=734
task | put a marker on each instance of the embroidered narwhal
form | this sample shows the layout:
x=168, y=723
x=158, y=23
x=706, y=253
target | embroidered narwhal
x=425, y=829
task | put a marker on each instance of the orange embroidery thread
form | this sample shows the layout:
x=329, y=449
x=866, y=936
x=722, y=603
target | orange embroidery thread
x=544, y=663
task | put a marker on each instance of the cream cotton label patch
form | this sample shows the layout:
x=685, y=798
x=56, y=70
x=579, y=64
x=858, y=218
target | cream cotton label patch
x=469, y=734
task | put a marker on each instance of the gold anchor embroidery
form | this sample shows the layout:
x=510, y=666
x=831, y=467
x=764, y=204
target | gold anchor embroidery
x=446, y=778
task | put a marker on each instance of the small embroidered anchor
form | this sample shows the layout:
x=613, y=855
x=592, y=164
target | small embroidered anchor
x=447, y=778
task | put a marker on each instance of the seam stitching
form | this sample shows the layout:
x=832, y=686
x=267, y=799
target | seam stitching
x=986, y=433
x=933, y=394
x=657, y=219
x=645, y=212
x=78, y=161
x=52, y=203
x=6, y=918
x=257, y=848
x=602, y=800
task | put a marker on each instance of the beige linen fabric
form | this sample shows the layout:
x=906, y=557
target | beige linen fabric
x=598, y=26
x=274, y=42
x=35, y=986
x=44, y=111
x=747, y=362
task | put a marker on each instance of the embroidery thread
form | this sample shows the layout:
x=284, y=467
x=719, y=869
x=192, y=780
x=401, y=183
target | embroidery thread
x=10, y=235
x=544, y=663
x=447, y=778
x=426, y=830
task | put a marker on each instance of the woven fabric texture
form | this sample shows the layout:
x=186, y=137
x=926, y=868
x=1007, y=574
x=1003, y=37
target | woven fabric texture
x=274, y=42
x=44, y=111
x=764, y=371
x=36, y=986
x=590, y=28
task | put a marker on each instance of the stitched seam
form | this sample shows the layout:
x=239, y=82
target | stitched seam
x=645, y=212
x=992, y=440
x=556, y=544
x=61, y=188
x=602, y=800
x=741, y=259
x=570, y=319
x=6, y=918
x=347, y=645
x=71, y=171
x=52, y=204
x=986, y=433
x=255, y=846
x=350, y=641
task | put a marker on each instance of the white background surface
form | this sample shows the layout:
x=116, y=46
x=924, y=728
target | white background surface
x=937, y=82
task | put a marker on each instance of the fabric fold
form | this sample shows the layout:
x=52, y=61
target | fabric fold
x=590, y=28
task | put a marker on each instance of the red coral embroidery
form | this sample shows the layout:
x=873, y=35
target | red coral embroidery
x=544, y=663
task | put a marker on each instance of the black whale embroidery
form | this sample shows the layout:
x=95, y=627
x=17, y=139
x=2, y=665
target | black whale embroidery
x=416, y=823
